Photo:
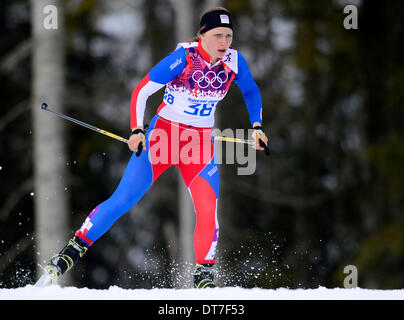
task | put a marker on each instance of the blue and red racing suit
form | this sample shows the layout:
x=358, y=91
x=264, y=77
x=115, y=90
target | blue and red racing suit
x=180, y=134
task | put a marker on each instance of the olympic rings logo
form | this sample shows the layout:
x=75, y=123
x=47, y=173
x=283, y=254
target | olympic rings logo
x=209, y=78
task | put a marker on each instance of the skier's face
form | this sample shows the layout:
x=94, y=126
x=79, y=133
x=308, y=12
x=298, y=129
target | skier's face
x=217, y=41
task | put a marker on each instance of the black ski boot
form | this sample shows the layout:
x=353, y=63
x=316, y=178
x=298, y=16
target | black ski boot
x=203, y=276
x=63, y=261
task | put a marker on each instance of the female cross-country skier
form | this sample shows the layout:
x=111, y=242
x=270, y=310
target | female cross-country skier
x=197, y=75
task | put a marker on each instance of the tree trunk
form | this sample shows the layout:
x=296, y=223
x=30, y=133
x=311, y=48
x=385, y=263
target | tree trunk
x=50, y=173
x=184, y=29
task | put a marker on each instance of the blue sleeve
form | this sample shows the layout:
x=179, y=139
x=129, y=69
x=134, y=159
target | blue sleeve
x=170, y=67
x=249, y=89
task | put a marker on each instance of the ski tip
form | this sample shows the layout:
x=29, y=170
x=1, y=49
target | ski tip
x=44, y=106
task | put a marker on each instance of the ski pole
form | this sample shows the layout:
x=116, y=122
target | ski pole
x=89, y=126
x=235, y=140
x=81, y=123
x=250, y=142
x=119, y=138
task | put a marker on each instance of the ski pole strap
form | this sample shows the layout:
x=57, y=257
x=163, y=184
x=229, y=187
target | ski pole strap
x=139, y=131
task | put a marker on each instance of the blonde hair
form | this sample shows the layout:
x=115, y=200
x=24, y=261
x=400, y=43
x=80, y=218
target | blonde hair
x=198, y=35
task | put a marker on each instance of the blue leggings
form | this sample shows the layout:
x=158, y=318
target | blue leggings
x=201, y=178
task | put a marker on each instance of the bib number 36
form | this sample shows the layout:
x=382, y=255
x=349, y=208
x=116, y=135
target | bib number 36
x=201, y=109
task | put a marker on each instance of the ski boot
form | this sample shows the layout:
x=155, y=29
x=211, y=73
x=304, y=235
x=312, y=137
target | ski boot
x=62, y=262
x=203, y=276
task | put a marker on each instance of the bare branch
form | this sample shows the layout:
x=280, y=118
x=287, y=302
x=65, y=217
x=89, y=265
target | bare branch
x=22, y=51
x=14, y=112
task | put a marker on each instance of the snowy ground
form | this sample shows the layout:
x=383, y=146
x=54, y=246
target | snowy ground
x=229, y=293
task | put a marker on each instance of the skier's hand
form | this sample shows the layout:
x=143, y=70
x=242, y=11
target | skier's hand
x=137, y=141
x=260, y=140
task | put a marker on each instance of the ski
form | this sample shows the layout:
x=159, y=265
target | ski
x=49, y=277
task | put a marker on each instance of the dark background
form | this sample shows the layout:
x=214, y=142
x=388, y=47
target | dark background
x=330, y=195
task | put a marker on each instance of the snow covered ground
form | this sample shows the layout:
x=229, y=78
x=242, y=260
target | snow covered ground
x=228, y=293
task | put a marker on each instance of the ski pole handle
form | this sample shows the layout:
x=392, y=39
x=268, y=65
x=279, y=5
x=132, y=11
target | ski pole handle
x=139, y=149
x=262, y=144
